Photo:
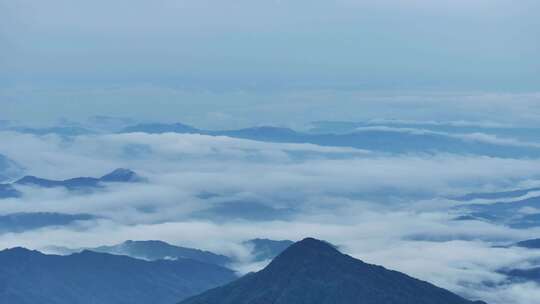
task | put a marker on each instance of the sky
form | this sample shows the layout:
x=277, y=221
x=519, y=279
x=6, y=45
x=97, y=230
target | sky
x=222, y=63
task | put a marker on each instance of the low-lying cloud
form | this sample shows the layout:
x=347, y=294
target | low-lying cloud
x=384, y=209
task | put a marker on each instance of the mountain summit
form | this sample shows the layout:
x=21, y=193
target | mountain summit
x=314, y=272
x=121, y=175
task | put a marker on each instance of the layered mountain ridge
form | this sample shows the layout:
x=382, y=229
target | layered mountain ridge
x=29, y=277
x=119, y=175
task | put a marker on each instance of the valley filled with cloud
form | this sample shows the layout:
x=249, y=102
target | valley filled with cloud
x=401, y=210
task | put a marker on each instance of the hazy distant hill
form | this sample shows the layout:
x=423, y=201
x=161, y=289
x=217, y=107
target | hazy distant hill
x=314, y=272
x=58, y=130
x=375, y=139
x=158, y=128
x=531, y=244
x=8, y=191
x=524, y=275
x=73, y=184
x=527, y=274
x=30, y=277
x=506, y=213
x=118, y=176
x=157, y=250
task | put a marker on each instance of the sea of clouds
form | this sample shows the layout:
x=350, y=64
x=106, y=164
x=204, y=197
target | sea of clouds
x=215, y=192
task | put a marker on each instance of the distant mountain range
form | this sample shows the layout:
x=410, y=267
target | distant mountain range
x=456, y=127
x=60, y=130
x=158, y=128
x=19, y=222
x=117, y=176
x=306, y=272
x=29, y=277
x=391, y=137
x=314, y=272
x=531, y=273
x=514, y=208
x=72, y=184
x=375, y=139
x=153, y=251
x=505, y=212
x=104, y=124
x=67, y=128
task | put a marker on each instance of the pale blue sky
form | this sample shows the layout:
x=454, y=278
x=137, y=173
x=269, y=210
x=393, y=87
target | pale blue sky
x=58, y=56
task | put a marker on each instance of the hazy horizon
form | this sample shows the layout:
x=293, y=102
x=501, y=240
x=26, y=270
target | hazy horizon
x=225, y=65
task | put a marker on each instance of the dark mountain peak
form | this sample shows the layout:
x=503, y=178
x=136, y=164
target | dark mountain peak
x=312, y=244
x=308, y=249
x=121, y=175
x=312, y=271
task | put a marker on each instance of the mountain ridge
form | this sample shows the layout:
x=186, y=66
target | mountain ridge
x=153, y=250
x=315, y=272
x=29, y=276
x=119, y=175
x=384, y=140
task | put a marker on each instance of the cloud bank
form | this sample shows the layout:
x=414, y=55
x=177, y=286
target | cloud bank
x=385, y=209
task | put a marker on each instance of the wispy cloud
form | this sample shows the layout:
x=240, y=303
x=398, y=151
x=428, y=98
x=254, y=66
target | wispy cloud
x=476, y=136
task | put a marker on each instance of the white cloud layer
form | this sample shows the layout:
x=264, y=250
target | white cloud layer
x=366, y=202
